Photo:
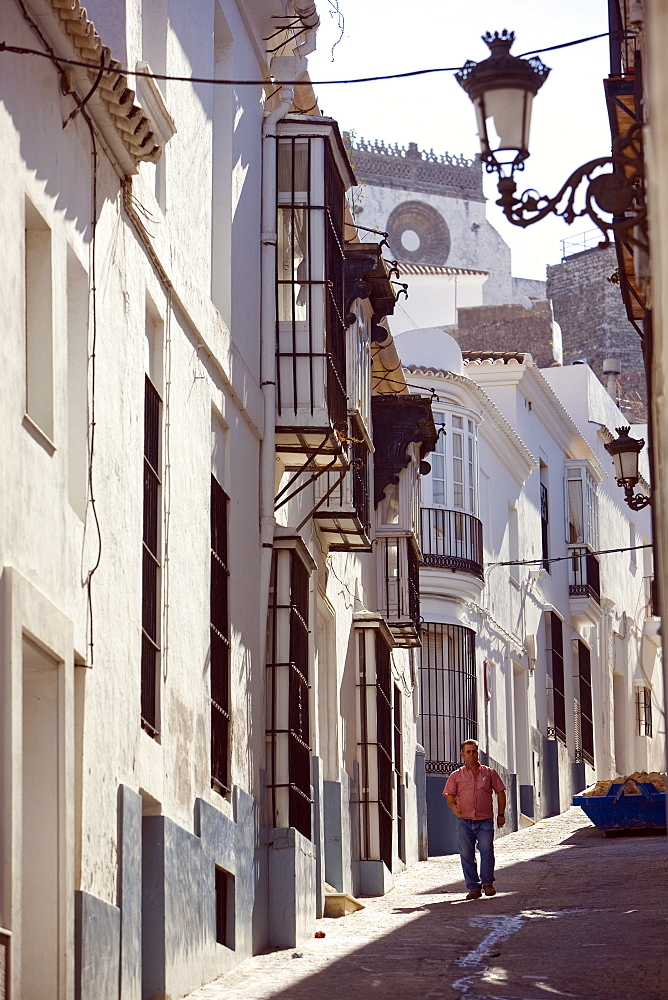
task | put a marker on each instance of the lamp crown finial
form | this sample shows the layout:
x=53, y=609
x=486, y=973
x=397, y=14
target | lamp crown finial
x=499, y=42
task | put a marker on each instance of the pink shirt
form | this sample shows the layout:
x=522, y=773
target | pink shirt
x=473, y=791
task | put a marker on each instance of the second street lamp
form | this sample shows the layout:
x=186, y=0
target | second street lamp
x=624, y=451
x=502, y=88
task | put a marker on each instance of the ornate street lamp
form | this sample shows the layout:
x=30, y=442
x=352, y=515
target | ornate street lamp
x=624, y=451
x=502, y=88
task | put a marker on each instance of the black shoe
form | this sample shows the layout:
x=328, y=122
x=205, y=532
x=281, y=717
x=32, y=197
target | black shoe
x=489, y=890
x=474, y=894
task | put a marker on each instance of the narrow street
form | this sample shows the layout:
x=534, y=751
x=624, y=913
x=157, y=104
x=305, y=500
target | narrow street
x=576, y=915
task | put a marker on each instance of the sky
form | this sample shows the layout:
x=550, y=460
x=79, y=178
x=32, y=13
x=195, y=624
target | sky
x=569, y=122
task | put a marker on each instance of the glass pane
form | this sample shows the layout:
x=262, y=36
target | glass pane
x=292, y=263
x=293, y=179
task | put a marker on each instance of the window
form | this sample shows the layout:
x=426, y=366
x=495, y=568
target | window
x=644, y=711
x=448, y=694
x=220, y=642
x=581, y=507
x=398, y=771
x=38, y=321
x=586, y=709
x=513, y=543
x=224, y=888
x=150, y=647
x=77, y=384
x=376, y=737
x=289, y=770
x=556, y=727
x=544, y=517
x=311, y=352
x=453, y=481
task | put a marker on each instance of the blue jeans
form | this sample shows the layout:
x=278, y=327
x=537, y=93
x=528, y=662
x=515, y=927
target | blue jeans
x=470, y=831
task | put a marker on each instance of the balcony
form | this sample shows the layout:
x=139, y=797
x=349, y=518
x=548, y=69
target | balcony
x=311, y=392
x=399, y=588
x=344, y=517
x=584, y=587
x=452, y=540
x=652, y=623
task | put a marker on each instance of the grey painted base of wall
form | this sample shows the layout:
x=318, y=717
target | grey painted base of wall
x=97, y=937
x=374, y=878
x=338, y=846
x=292, y=878
x=161, y=939
x=420, y=777
x=441, y=821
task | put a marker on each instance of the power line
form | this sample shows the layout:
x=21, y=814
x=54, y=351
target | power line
x=576, y=555
x=120, y=71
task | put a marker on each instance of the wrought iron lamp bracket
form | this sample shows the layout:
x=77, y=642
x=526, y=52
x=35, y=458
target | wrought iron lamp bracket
x=619, y=193
x=636, y=501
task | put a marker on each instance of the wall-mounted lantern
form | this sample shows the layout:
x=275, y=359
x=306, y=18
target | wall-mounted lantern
x=624, y=451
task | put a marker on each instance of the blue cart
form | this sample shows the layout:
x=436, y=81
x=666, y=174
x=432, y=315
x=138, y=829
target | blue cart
x=616, y=811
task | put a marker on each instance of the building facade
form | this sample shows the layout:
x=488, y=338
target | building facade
x=209, y=539
x=538, y=640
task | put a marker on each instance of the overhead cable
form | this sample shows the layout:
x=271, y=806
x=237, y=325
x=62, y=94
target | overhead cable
x=121, y=71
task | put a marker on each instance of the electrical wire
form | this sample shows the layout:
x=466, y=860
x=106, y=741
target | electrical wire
x=541, y=561
x=121, y=71
x=81, y=109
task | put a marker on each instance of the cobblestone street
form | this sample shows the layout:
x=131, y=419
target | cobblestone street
x=576, y=915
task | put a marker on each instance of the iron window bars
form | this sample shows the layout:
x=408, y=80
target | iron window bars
x=220, y=642
x=311, y=336
x=150, y=645
x=375, y=741
x=288, y=727
x=584, y=749
x=448, y=694
x=644, y=711
x=555, y=653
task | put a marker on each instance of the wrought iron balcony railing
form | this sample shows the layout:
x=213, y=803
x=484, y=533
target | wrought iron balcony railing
x=452, y=540
x=399, y=588
x=344, y=516
x=583, y=574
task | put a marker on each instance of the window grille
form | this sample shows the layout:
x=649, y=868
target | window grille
x=399, y=580
x=398, y=771
x=150, y=646
x=644, y=711
x=220, y=642
x=555, y=653
x=448, y=694
x=583, y=657
x=289, y=778
x=311, y=334
x=376, y=736
x=545, y=526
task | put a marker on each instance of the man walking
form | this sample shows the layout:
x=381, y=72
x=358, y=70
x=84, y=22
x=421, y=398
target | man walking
x=468, y=792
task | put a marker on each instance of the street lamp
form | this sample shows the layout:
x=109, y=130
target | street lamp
x=624, y=451
x=502, y=88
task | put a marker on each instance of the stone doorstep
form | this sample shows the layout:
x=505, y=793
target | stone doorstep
x=340, y=904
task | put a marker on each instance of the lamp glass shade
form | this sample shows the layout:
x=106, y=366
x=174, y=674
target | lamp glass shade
x=626, y=465
x=504, y=117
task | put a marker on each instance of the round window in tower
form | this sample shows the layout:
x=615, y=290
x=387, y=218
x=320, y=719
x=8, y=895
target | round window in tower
x=418, y=234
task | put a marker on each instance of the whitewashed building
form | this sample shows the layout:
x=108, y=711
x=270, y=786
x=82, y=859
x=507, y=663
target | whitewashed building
x=209, y=521
x=537, y=641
